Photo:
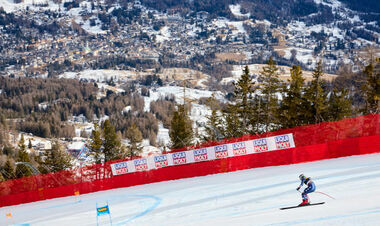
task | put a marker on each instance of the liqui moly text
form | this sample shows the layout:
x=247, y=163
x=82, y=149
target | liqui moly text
x=239, y=148
x=179, y=158
x=140, y=164
x=200, y=155
x=282, y=141
x=121, y=168
x=260, y=145
x=221, y=151
x=161, y=161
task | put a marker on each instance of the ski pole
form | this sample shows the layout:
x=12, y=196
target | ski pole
x=324, y=194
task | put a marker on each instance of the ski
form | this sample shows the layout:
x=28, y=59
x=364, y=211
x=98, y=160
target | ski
x=312, y=204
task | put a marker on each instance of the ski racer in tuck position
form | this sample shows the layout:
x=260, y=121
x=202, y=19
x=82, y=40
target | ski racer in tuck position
x=310, y=188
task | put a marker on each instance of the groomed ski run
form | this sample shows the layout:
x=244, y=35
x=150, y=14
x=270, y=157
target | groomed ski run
x=248, y=197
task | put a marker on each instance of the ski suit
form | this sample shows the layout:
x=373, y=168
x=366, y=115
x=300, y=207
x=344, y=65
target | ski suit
x=310, y=187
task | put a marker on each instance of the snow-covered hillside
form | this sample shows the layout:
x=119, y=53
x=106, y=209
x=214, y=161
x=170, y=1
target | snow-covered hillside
x=249, y=197
x=256, y=69
x=296, y=41
x=236, y=10
x=198, y=112
x=10, y=5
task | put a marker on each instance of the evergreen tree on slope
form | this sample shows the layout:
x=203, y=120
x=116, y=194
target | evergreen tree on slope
x=243, y=93
x=22, y=170
x=57, y=159
x=270, y=86
x=112, y=144
x=293, y=105
x=232, y=123
x=371, y=88
x=340, y=105
x=96, y=144
x=316, y=97
x=213, y=129
x=135, y=138
x=9, y=170
x=181, y=131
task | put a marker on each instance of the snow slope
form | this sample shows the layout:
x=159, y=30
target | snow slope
x=236, y=11
x=249, y=197
x=10, y=6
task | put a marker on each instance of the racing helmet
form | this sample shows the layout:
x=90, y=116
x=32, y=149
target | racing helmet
x=301, y=176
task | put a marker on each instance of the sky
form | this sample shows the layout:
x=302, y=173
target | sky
x=247, y=197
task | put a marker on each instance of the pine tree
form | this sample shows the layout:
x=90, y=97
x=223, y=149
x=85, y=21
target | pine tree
x=2, y=178
x=135, y=138
x=256, y=120
x=112, y=144
x=21, y=143
x=9, y=151
x=22, y=170
x=233, y=126
x=371, y=88
x=269, y=87
x=4, y=136
x=3, y=121
x=316, y=97
x=339, y=105
x=181, y=130
x=243, y=94
x=213, y=128
x=96, y=144
x=293, y=105
x=9, y=170
x=30, y=144
x=57, y=159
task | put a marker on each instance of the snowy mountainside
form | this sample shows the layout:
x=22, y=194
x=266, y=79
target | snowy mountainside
x=329, y=23
x=11, y=6
x=201, y=44
x=198, y=113
x=174, y=88
x=284, y=72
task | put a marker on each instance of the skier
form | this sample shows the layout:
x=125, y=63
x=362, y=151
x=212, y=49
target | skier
x=310, y=188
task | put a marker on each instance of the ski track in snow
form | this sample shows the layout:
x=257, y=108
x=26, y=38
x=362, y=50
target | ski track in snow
x=247, y=197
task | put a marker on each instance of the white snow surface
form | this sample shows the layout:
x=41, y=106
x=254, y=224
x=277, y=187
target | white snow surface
x=248, y=197
x=100, y=75
x=178, y=92
x=237, y=27
x=95, y=29
x=332, y=3
x=76, y=145
x=198, y=112
x=164, y=34
x=236, y=10
x=10, y=6
x=163, y=134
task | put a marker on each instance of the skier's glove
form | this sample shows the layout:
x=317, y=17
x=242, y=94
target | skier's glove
x=298, y=188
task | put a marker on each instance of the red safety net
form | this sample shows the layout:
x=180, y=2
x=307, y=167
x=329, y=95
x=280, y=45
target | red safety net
x=316, y=133
x=354, y=136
